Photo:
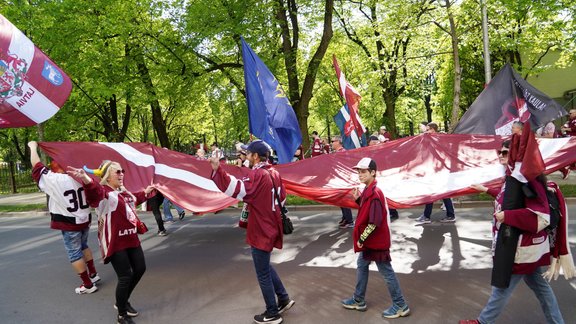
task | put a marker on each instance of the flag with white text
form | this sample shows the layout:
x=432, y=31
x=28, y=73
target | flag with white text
x=506, y=99
x=32, y=87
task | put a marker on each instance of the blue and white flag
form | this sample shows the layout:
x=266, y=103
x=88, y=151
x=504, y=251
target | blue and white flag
x=271, y=117
x=350, y=139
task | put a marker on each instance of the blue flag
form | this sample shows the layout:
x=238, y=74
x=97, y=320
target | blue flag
x=272, y=118
x=350, y=139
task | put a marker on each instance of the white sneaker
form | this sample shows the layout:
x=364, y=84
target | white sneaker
x=95, y=278
x=83, y=290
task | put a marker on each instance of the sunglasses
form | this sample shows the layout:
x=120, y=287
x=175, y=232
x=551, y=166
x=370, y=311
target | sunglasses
x=118, y=172
x=503, y=152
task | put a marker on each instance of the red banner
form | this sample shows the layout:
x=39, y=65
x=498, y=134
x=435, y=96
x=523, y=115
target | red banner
x=412, y=171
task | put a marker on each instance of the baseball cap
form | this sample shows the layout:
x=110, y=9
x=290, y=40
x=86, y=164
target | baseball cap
x=383, y=127
x=259, y=147
x=366, y=164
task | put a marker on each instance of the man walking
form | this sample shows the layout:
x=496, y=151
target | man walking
x=260, y=189
x=69, y=213
x=347, y=221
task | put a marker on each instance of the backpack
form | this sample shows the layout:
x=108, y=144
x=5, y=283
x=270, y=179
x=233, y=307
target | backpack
x=554, y=205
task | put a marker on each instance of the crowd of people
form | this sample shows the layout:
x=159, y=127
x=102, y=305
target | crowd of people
x=529, y=219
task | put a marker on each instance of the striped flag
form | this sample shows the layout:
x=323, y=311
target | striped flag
x=352, y=100
x=32, y=87
x=350, y=138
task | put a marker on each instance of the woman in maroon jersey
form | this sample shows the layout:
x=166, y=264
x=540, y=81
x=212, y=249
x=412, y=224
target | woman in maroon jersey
x=117, y=228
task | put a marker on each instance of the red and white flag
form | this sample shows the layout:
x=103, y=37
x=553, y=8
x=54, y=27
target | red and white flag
x=352, y=100
x=411, y=171
x=32, y=87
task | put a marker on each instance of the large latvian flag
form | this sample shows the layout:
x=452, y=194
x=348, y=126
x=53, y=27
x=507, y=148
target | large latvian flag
x=271, y=117
x=350, y=138
x=506, y=99
x=32, y=87
x=352, y=97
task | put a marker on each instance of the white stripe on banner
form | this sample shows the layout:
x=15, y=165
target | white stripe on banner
x=395, y=184
x=33, y=104
x=145, y=160
x=21, y=46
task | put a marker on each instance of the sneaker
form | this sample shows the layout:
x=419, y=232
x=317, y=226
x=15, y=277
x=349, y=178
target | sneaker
x=448, y=219
x=83, y=290
x=95, y=278
x=125, y=319
x=181, y=215
x=394, y=218
x=423, y=220
x=286, y=305
x=395, y=311
x=130, y=311
x=341, y=222
x=347, y=225
x=162, y=233
x=352, y=303
x=469, y=322
x=169, y=221
x=265, y=318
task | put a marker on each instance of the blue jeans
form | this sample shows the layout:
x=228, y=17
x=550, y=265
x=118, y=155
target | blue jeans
x=385, y=269
x=447, y=203
x=347, y=215
x=166, y=208
x=270, y=284
x=75, y=242
x=539, y=286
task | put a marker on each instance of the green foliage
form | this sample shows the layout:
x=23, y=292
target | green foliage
x=183, y=57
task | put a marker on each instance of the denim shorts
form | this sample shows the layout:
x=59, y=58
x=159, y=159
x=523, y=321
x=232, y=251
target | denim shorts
x=75, y=242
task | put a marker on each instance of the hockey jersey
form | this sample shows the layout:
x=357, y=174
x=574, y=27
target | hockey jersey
x=68, y=207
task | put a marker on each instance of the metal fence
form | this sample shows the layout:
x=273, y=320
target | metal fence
x=15, y=178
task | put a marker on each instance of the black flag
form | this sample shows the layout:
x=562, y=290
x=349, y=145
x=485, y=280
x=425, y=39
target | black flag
x=506, y=99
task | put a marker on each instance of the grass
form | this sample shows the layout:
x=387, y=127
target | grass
x=22, y=208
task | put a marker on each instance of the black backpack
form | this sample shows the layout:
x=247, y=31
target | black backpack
x=554, y=205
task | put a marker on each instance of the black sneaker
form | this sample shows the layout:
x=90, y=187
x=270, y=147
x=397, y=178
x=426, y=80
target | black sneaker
x=130, y=311
x=285, y=305
x=181, y=215
x=265, y=318
x=125, y=319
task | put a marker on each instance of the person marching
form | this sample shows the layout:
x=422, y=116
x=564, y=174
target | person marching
x=117, y=229
x=69, y=213
x=264, y=227
x=371, y=237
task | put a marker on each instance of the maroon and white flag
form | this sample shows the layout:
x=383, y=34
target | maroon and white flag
x=32, y=87
x=411, y=171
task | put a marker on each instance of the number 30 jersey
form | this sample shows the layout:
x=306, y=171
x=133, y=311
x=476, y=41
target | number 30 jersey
x=68, y=207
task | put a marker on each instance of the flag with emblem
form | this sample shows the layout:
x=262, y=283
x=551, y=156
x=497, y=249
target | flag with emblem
x=32, y=87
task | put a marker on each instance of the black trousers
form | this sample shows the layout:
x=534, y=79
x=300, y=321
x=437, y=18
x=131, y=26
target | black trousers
x=129, y=265
x=155, y=203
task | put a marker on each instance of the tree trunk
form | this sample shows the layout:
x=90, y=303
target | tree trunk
x=457, y=70
x=157, y=121
x=290, y=49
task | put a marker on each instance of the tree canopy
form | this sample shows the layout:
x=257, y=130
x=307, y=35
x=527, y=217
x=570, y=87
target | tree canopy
x=171, y=72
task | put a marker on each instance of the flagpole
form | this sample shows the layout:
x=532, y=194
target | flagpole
x=487, y=70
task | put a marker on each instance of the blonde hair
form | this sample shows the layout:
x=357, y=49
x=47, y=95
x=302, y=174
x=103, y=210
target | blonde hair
x=105, y=167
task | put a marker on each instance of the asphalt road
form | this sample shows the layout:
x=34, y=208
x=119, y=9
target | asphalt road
x=202, y=273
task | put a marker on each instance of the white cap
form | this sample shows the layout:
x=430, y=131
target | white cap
x=383, y=127
x=366, y=164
